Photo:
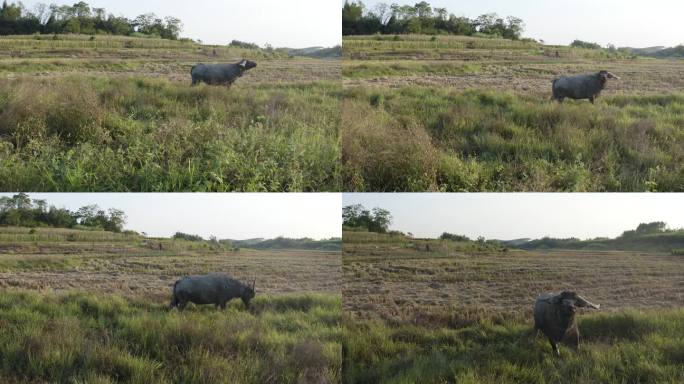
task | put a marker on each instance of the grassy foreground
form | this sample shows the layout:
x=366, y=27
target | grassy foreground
x=95, y=338
x=435, y=138
x=138, y=134
x=619, y=347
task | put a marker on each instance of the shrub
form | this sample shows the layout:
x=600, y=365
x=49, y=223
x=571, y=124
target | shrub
x=382, y=153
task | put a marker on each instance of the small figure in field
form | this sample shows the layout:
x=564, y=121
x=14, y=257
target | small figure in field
x=160, y=246
x=587, y=86
x=214, y=288
x=427, y=247
x=220, y=74
x=213, y=52
x=554, y=315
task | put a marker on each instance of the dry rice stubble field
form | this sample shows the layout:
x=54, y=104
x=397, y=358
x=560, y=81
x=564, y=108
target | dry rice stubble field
x=451, y=113
x=95, y=308
x=394, y=281
x=119, y=114
x=455, y=317
x=136, y=271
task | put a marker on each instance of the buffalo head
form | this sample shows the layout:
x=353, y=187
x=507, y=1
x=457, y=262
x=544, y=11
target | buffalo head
x=605, y=75
x=247, y=64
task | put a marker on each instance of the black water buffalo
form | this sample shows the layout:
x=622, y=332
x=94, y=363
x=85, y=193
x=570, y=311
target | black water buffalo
x=214, y=288
x=220, y=74
x=554, y=315
x=587, y=86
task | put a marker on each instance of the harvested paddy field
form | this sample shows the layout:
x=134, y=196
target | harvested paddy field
x=457, y=315
x=455, y=113
x=134, y=266
x=114, y=113
x=394, y=281
x=93, y=306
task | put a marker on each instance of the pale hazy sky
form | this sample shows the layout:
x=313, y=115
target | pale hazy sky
x=225, y=215
x=281, y=23
x=633, y=23
x=534, y=215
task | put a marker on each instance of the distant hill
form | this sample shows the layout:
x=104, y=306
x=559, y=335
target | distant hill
x=659, y=52
x=515, y=242
x=247, y=242
x=334, y=244
x=662, y=241
x=317, y=52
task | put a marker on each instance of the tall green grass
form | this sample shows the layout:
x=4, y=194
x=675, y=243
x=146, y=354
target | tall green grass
x=23, y=234
x=104, y=134
x=418, y=138
x=91, y=338
x=619, y=347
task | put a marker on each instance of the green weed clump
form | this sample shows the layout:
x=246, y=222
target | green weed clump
x=418, y=138
x=631, y=346
x=104, y=134
x=86, y=338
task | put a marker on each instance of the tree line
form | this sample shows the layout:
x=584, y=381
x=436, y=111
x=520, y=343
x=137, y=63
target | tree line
x=373, y=220
x=15, y=19
x=422, y=18
x=21, y=211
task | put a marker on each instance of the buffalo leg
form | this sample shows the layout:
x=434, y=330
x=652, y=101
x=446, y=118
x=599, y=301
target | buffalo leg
x=591, y=99
x=554, y=346
x=574, y=339
x=181, y=305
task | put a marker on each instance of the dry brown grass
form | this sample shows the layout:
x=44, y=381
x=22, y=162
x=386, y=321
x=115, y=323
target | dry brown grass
x=138, y=271
x=375, y=145
x=396, y=283
x=526, y=71
x=176, y=69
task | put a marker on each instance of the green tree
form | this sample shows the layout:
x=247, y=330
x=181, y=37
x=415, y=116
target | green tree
x=653, y=227
x=352, y=12
x=81, y=9
x=10, y=13
x=380, y=221
x=22, y=201
x=172, y=28
x=87, y=214
x=351, y=214
x=423, y=9
x=116, y=220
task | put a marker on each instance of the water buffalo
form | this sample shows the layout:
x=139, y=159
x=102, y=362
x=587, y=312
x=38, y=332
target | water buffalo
x=217, y=74
x=554, y=315
x=214, y=288
x=587, y=86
